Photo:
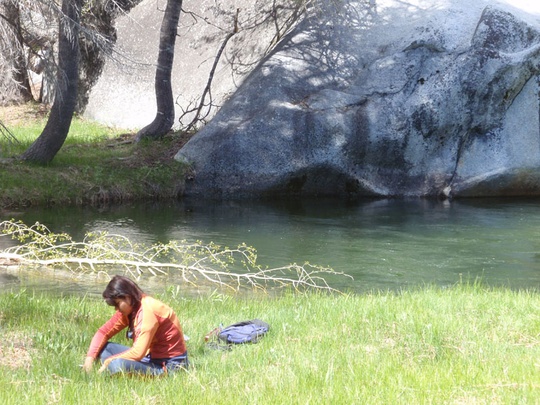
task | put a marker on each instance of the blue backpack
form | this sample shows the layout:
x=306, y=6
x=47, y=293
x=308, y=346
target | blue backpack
x=243, y=332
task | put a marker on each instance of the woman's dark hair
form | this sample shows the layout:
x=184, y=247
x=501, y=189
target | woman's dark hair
x=122, y=287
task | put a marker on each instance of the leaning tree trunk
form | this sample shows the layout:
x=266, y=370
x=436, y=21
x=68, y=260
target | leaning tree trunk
x=45, y=147
x=164, y=119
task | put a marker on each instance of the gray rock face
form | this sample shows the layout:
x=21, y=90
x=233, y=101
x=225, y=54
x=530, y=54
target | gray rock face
x=124, y=95
x=383, y=99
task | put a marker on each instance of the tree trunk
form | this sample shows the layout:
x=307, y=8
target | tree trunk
x=20, y=72
x=47, y=145
x=164, y=119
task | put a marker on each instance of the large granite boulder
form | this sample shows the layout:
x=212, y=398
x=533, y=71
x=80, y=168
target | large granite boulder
x=383, y=98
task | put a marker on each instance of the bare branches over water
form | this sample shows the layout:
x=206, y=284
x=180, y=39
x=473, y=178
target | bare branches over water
x=193, y=263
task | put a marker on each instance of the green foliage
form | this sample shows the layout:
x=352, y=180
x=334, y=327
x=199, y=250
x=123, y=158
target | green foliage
x=465, y=344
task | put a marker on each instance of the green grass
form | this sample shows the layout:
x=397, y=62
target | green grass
x=95, y=165
x=461, y=345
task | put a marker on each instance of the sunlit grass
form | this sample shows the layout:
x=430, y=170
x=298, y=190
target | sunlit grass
x=96, y=164
x=454, y=346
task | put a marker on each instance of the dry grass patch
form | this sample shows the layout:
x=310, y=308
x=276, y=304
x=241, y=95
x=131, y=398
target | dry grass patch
x=16, y=350
x=20, y=114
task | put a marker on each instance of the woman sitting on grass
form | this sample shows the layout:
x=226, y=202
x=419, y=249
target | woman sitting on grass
x=158, y=340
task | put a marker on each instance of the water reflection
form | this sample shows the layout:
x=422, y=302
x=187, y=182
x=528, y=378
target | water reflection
x=384, y=244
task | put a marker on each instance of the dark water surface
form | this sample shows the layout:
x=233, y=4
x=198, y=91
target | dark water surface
x=384, y=244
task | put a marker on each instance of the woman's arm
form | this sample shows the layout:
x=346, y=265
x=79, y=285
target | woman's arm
x=101, y=337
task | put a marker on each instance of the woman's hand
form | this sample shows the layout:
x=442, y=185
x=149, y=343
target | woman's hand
x=88, y=364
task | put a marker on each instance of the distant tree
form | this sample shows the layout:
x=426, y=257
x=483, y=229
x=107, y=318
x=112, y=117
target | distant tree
x=12, y=42
x=164, y=119
x=45, y=147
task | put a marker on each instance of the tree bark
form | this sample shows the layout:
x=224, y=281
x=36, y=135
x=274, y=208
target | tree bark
x=20, y=72
x=47, y=145
x=164, y=119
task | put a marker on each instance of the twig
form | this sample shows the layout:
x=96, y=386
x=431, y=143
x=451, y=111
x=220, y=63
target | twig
x=8, y=134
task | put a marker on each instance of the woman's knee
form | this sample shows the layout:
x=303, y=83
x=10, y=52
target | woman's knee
x=111, y=349
x=120, y=366
x=133, y=367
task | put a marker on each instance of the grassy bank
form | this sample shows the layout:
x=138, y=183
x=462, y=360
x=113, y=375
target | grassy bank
x=465, y=345
x=97, y=164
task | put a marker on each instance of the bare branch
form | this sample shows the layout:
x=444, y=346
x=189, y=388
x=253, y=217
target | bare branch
x=208, y=89
x=6, y=133
x=196, y=263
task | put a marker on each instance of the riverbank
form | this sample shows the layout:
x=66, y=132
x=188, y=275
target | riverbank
x=96, y=165
x=461, y=345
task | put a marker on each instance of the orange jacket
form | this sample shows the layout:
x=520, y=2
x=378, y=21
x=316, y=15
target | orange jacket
x=156, y=331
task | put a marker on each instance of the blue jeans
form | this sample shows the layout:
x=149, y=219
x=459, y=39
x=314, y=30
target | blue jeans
x=146, y=366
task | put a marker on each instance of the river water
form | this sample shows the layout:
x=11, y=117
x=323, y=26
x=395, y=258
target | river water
x=382, y=244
